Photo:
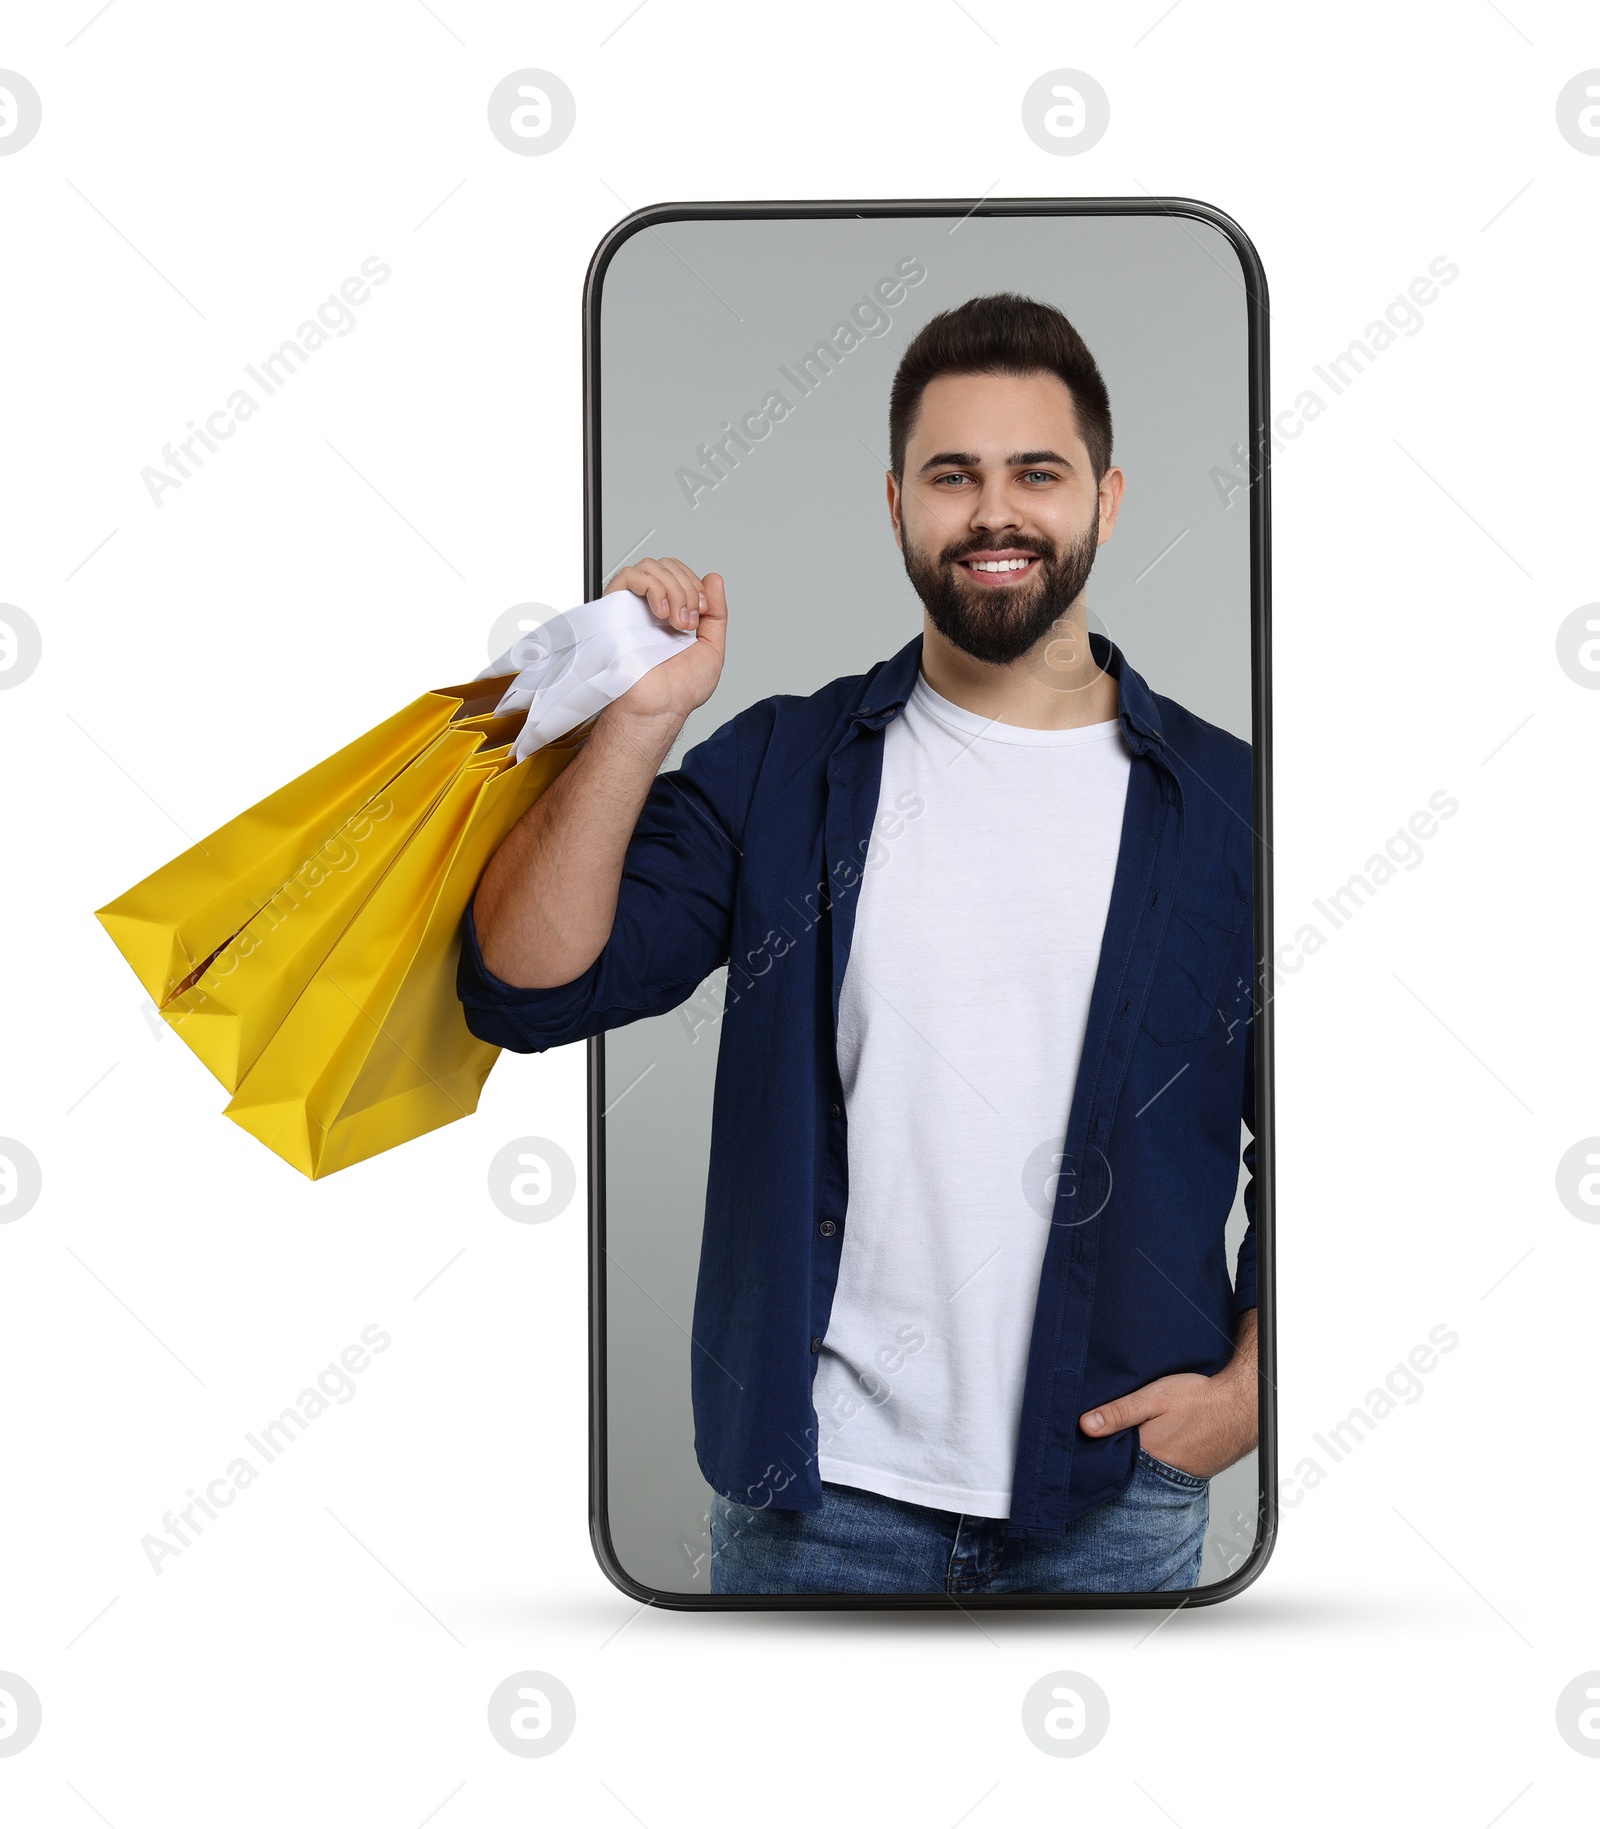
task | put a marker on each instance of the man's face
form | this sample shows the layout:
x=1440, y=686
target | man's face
x=999, y=515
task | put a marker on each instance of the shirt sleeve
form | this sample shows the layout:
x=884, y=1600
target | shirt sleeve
x=673, y=921
x=1244, y=1280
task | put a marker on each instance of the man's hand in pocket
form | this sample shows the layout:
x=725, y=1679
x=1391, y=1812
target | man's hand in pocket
x=1199, y=1425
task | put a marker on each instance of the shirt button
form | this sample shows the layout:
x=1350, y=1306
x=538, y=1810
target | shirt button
x=816, y=1343
x=828, y=1228
x=836, y=1110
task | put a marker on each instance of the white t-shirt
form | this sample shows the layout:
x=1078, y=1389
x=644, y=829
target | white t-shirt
x=961, y=1022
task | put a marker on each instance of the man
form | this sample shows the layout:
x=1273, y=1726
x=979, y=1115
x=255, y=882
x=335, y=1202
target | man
x=964, y=1322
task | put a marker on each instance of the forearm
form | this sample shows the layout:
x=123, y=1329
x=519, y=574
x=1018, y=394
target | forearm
x=545, y=906
x=1236, y=1387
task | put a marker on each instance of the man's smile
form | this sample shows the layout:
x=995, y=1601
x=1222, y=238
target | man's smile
x=1002, y=567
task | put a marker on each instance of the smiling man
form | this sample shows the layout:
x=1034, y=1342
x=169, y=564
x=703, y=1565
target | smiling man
x=964, y=1321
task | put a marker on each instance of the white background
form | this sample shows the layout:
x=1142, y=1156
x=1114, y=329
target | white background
x=203, y=177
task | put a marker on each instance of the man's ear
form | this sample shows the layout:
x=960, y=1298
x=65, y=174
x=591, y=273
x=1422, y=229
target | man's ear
x=1109, y=501
x=893, y=486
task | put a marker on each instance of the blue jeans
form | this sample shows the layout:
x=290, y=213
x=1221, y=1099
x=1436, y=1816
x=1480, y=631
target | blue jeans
x=1147, y=1540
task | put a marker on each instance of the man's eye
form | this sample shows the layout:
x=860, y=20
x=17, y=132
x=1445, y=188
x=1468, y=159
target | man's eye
x=954, y=476
x=1047, y=476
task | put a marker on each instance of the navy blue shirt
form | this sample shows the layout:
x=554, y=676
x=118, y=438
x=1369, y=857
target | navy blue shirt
x=750, y=855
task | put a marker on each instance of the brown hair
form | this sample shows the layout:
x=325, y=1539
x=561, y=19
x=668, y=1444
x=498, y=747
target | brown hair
x=1001, y=334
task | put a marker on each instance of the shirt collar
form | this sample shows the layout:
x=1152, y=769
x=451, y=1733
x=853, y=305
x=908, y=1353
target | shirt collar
x=889, y=686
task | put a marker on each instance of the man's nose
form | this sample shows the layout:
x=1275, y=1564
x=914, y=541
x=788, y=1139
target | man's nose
x=995, y=507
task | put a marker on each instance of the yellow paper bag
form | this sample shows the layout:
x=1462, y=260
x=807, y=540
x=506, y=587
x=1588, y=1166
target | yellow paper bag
x=376, y=1049
x=171, y=925
x=229, y=1012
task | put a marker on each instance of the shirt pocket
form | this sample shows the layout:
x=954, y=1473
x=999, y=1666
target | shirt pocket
x=1203, y=942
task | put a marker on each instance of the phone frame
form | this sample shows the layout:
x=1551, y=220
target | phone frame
x=1260, y=454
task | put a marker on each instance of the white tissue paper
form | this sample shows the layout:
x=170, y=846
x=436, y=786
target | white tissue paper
x=580, y=661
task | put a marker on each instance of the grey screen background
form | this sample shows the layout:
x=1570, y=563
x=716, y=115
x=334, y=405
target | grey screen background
x=698, y=321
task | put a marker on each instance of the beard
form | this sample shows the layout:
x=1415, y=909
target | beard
x=1000, y=626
